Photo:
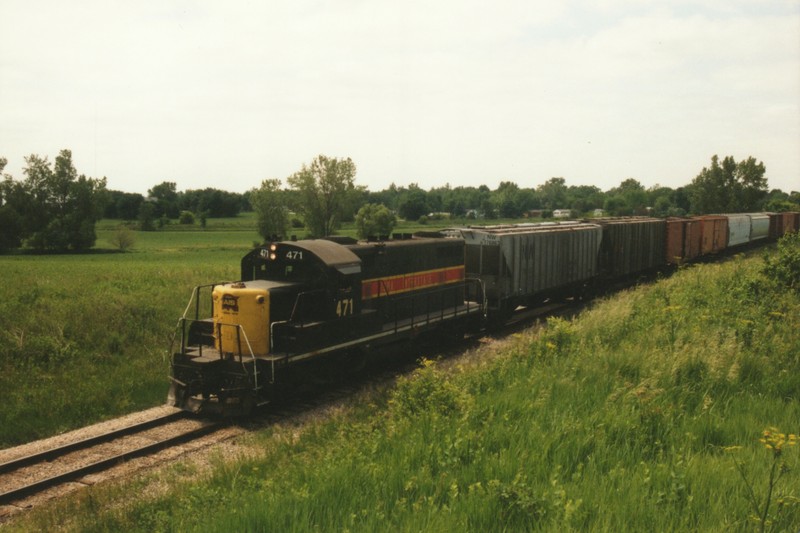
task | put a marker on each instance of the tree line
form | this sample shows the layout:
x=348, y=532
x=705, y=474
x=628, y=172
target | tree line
x=55, y=209
x=325, y=194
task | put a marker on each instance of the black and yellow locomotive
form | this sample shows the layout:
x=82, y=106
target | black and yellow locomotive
x=300, y=300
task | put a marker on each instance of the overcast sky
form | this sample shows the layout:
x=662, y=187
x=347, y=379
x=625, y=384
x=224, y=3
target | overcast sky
x=226, y=94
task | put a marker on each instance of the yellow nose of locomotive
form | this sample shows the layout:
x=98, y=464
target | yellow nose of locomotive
x=241, y=318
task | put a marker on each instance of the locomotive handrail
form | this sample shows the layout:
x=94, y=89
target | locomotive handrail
x=304, y=294
x=240, y=331
x=482, y=293
x=428, y=311
x=195, y=297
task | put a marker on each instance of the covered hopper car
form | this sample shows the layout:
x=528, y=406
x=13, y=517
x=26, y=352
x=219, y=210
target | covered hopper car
x=526, y=263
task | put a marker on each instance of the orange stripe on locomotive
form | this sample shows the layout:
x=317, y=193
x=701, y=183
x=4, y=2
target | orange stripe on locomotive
x=373, y=288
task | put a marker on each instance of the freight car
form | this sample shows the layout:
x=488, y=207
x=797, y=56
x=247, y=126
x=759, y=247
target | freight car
x=527, y=263
x=632, y=245
x=782, y=223
x=683, y=240
x=746, y=228
x=300, y=300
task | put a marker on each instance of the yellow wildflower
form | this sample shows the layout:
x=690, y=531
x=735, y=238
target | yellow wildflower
x=774, y=440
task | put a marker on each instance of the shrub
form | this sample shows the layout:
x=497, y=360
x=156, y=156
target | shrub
x=427, y=391
x=187, y=217
x=785, y=268
x=122, y=239
x=374, y=220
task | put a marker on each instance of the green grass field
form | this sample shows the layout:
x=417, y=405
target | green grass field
x=645, y=413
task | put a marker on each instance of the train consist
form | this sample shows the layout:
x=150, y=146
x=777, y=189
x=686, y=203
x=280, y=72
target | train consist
x=298, y=301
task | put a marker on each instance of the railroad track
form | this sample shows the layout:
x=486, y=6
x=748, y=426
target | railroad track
x=31, y=474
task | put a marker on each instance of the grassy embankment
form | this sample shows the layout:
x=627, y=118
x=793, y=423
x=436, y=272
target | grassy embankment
x=642, y=414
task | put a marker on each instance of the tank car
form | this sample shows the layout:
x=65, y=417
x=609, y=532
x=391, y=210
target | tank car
x=300, y=300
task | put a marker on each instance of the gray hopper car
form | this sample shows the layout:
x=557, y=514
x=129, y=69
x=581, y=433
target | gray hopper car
x=524, y=264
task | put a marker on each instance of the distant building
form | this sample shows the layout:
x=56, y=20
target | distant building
x=533, y=213
x=561, y=213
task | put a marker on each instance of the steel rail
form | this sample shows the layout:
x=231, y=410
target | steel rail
x=104, y=464
x=58, y=451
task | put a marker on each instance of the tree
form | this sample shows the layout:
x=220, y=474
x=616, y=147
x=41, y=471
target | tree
x=122, y=205
x=58, y=209
x=729, y=186
x=631, y=197
x=585, y=197
x=753, y=184
x=615, y=205
x=10, y=219
x=553, y=193
x=165, y=195
x=413, y=203
x=147, y=216
x=323, y=188
x=487, y=208
x=216, y=203
x=353, y=200
x=506, y=198
x=374, y=220
x=271, y=212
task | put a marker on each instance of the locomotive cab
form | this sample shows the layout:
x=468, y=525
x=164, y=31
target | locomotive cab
x=315, y=292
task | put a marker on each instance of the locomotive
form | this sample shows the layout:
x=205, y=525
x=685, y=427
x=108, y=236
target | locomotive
x=301, y=300
x=297, y=301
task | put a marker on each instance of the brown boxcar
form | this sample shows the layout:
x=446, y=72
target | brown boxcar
x=684, y=238
x=782, y=223
x=791, y=222
x=714, y=229
x=632, y=245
